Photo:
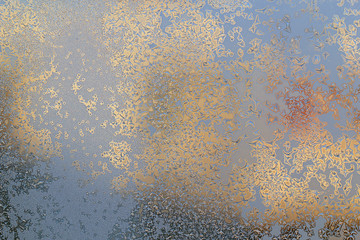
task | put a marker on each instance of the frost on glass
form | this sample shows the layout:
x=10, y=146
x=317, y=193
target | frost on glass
x=206, y=119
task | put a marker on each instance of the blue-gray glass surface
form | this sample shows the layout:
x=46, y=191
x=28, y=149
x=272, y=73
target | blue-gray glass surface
x=188, y=119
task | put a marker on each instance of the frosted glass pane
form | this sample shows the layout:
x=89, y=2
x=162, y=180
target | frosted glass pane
x=188, y=119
